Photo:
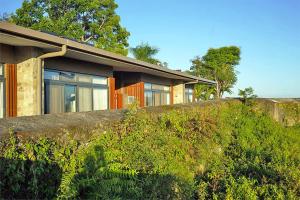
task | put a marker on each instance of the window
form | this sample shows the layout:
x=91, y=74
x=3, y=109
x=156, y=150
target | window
x=70, y=98
x=189, y=95
x=148, y=98
x=72, y=92
x=2, y=83
x=85, y=96
x=54, y=98
x=100, y=96
x=156, y=95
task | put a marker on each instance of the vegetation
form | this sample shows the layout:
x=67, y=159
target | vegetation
x=225, y=151
x=219, y=65
x=145, y=52
x=89, y=21
x=247, y=95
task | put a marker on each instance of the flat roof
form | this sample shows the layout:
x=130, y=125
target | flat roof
x=14, y=35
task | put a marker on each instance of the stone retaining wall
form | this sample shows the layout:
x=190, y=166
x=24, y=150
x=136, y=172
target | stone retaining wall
x=284, y=111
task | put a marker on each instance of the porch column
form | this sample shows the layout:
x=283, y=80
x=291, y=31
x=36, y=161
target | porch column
x=178, y=92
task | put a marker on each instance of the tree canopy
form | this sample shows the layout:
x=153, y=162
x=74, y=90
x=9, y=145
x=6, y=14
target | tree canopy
x=90, y=21
x=219, y=65
x=247, y=94
x=145, y=52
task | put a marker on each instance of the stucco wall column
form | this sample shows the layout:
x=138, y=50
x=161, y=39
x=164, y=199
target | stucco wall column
x=28, y=88
x=178, y=92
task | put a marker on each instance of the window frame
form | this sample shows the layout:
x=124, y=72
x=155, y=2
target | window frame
x=77, y=85
x=2, y=79
x=153, y=91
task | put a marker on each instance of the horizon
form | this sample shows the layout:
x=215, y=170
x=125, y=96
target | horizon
x=268, y=38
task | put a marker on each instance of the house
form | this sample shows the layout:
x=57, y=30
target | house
x=41, y=73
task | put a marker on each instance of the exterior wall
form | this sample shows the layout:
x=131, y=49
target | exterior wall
x=22, y=80
x=146, y=78
x=112, y=95
x=178, y=92
x=28, y=88
x=11, y=90
x=129, y=84
x=72, y=65
x=7, y=54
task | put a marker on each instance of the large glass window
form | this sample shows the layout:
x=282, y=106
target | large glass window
x=2, y=81
x=85, y=96
x=156, y=95
x=189, y=95
x=54, y=98
x=72, y=92
x=100, y=98
x=70, y=98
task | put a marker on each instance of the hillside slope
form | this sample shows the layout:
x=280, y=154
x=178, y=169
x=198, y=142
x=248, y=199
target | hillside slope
x=222, y=151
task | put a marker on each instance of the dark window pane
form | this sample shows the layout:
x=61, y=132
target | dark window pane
x=51, y=75
x=70, y=98
x=67, y=76
x=148, y=98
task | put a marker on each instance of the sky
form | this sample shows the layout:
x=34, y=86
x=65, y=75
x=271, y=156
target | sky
x=268, y=33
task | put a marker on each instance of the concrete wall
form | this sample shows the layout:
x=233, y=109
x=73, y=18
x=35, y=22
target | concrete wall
x=178, y=92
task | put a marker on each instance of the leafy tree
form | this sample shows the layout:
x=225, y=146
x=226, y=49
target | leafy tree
x=246, y=95
x=90, y=21
x=219, y=65
x=204, y=92
x=145, y=52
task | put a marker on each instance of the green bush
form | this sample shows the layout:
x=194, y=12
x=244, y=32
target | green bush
x=226, y=151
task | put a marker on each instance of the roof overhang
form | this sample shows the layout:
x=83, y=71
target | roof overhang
x=14, y=35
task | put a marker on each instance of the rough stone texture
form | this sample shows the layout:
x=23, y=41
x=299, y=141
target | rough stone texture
x=284, y=111
x=52, y=124
x=178, y=92
x=28, y=87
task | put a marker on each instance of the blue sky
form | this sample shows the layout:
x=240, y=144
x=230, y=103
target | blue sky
x=268, y=33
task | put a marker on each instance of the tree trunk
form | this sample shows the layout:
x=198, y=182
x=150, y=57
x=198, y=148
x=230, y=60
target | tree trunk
x=218, y=90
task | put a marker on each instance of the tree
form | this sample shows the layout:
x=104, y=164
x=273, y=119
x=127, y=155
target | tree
x=90, y=21
x=219, y=65
x=204, y=92
x=145, y=52
x=246, y=95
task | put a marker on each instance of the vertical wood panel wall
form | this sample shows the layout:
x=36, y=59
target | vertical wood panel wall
x=171, y=94
x=11, y=90
x=112, y=95
x=136, y=90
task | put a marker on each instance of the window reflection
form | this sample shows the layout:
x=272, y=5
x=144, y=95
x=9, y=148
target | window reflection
x=70, y=98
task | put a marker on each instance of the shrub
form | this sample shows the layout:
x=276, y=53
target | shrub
x=226, y=151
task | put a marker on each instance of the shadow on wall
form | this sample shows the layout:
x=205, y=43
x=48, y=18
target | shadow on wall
x=95, y=179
